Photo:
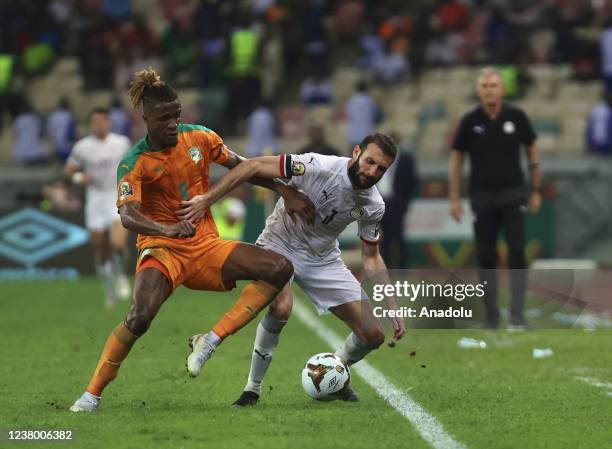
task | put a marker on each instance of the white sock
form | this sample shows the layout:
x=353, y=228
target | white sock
x=105, y=273
x=91, y=397
x=266, y=341
x=213, y=339
x=353, y=349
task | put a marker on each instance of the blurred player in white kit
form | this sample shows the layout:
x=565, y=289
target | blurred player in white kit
x=93, y=163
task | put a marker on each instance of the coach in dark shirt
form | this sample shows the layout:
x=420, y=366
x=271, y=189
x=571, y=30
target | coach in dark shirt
x=492, y=135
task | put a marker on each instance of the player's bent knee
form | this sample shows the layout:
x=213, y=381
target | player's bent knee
x=138, y=323
x=281, y=310
x=139, y=320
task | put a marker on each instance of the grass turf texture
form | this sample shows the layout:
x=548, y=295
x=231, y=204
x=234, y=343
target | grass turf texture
x=495, y=398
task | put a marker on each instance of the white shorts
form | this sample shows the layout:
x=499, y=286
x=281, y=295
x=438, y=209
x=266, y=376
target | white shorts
x=100, y=211
x=327, y=283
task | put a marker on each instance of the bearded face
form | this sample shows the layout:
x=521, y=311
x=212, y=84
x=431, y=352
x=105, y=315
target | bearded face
x=368, y=166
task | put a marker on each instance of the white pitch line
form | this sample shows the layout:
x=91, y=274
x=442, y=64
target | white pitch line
x=426, y=425
x=597, y=383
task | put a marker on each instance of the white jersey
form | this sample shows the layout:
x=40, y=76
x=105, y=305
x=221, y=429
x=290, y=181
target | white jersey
x=100, y=159
x=325, y=180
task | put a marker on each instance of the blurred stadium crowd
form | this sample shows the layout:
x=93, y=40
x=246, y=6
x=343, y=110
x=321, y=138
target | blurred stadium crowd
x=262, y=71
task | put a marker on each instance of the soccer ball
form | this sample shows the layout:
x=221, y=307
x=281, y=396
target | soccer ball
x=324, y=375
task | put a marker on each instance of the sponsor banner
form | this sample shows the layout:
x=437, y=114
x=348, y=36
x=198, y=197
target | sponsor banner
x=435, y=240
x=429, y=219
x=41, y=245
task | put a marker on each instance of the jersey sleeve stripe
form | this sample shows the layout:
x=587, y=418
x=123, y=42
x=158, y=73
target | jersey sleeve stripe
x=288, y=167
x=282, y=166
x=285, y=166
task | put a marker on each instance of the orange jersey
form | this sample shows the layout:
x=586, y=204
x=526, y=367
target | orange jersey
x=161, y=179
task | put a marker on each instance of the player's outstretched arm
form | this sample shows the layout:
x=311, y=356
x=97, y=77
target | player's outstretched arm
x=134, y=220
x=296, y=203
x=376, y=270
x=260, y=167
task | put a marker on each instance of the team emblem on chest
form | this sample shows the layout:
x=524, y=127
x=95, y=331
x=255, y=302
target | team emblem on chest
x=357, y=212
x=196, y=154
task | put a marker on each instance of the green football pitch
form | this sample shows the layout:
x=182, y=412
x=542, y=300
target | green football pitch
x=498, y=397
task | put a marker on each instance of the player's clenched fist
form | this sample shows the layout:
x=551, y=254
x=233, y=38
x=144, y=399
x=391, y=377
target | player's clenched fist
x=181, y=229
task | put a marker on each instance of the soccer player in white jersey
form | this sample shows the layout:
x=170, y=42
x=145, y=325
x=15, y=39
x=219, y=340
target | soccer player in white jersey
x=343, y=191
x=93, y=163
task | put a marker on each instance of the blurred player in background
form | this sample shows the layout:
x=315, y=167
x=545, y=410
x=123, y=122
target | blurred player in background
x=165, y=170
x=230, y=217
x=343, y=191
x=93, y=163
x=492, y=134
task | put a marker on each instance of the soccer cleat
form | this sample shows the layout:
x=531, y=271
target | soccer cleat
x=122, y=287
x=86, y=403
x=246, y=399
x=347, y=395
x=201, y=352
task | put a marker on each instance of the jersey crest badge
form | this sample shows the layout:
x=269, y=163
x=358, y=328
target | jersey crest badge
x=509, y=127
x=196, y=154
x=357, y=212
x=298, y=168
x=125, y=190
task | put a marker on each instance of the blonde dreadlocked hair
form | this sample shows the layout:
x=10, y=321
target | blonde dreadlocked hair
x=147, y=86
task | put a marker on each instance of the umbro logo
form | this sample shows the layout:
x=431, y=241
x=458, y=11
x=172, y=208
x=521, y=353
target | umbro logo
x=479, y=129
x=30, y=236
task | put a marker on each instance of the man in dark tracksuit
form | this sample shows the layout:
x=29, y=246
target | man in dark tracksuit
x=492, y=135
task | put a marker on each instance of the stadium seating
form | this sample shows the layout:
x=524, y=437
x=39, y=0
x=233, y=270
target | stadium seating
x=424, y=112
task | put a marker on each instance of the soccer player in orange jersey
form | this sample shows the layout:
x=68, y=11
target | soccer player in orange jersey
x=159, y=176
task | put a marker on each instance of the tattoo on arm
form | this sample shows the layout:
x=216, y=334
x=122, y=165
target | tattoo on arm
x=232, y=159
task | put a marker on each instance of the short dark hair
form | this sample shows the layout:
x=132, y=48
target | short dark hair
x=383, y=141
x=98, y=110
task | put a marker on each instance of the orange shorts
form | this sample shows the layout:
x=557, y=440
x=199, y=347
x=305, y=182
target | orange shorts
x=195, y=266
